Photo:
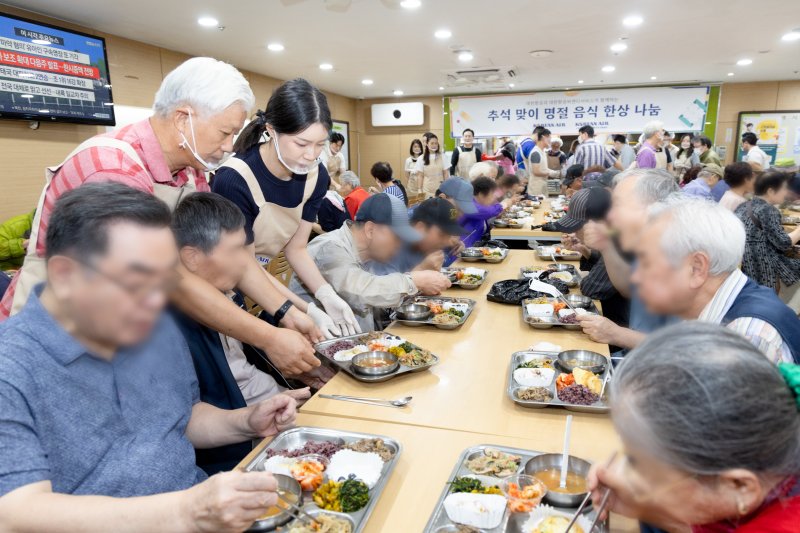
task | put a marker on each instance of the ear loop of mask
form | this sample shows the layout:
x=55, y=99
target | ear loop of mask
x=293, y=170
x=193, y=149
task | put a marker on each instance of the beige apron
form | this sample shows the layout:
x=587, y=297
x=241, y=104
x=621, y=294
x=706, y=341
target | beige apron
x=554, y=162
x=414, y=182
x=433, y=176
x=537, y=185
x=34, y=268
x=274, y=226
x=465, y=162
x=334, y=167
x=661, y=159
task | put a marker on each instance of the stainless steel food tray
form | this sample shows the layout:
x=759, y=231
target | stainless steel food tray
x=522, y=357
x=576, y=275
x=457, y=283
x=540, y=251
x=503, y=255
x=297, y=437
x=547, y=323
x=512, y=522
x=470, y=303
x=346, y=367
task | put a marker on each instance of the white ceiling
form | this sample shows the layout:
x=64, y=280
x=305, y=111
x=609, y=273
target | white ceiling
x=679, y=41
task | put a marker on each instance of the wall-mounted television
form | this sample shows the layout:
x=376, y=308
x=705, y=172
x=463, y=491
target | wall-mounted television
x=49, y=73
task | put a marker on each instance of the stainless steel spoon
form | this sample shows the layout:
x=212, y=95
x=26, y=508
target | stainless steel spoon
x=370, y=401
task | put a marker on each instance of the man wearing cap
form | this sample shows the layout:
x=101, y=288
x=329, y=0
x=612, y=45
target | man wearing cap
x=436, y=220
x=706, y=180
x=377, y=234
x=593, y=204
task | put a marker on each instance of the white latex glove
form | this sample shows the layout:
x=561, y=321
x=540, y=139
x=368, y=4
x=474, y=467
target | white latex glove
x=338, y=310
x=323, y=321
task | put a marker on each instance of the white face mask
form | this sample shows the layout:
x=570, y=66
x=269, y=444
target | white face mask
x=685, y=146
x=294, y=170
x=185, y=144
x=700, y=149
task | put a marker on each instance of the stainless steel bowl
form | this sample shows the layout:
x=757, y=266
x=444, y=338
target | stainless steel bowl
x=471, y=254
x=571, y=282
x=560, y=267
x=546, y=461
x=500, y=223
x=414, y=312
x=361, y=363
x=587, y=360
x=579, y=300
x=289, y=486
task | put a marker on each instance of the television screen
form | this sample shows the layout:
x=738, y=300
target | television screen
x=49, y=73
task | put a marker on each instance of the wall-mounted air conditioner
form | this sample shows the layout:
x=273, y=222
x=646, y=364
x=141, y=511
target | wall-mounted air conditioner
x=398, y=114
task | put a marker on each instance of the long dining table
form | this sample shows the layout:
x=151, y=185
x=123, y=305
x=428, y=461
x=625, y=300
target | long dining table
x=529, y=230
x=461, y=402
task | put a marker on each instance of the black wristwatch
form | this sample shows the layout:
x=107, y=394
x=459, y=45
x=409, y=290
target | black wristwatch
x=280, y=313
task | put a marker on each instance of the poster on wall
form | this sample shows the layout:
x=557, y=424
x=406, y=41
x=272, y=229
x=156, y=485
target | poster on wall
x=778, y=133
x=343, y=127
x=608, y=111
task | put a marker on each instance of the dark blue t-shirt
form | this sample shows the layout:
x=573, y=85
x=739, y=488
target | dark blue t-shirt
x=284, y=193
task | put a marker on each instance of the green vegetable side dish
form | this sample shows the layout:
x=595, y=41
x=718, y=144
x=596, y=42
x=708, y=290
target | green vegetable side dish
x=407, y=347
x=541, y=363
x=472, y=486
x=353, y=494
x=456, y=312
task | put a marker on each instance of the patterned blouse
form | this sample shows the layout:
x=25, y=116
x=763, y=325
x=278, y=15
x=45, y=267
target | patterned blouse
x=765, y=259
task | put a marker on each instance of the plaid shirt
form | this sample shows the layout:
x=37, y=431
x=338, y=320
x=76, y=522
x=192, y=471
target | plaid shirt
x=101, y=164
x=590, y=154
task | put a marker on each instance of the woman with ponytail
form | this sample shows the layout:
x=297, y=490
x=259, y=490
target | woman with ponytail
x=277, y=181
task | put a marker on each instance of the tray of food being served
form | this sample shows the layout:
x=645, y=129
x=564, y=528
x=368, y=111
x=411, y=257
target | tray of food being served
x=499, y=489
x=486, y=253
x=554, y=272
x=510, y=221
x=466, y=278
x=788, y=220
x=557, y=252
x=375, y=356
x=547, y=312
x=572, y=380
x=440, y=311
x=335, y=476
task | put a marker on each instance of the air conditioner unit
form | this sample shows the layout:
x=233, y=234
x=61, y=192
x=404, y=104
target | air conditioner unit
x=398, y=114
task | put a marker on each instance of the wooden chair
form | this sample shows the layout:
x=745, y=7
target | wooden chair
x=414, y=200
x=282, y=270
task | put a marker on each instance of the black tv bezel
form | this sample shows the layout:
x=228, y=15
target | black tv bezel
x=12, y=115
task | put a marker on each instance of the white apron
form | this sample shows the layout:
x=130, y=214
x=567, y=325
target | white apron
x=334, y=167
x=536, y=184
x=274, y=226
x=661, y=159
x=433, y=176
x=34, y=268
x=465, y=162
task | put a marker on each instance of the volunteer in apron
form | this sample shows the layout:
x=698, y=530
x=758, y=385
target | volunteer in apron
x=464, y=156
x=333, y=158
x=537, y=165
x=412, y=179
x=431, y=169
x=279, y=185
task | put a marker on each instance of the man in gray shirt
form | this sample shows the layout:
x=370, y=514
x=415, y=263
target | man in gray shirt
x=100, y=404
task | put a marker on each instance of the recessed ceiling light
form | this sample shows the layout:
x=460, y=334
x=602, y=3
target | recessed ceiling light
x=793, y=35
x=465, y=56
x=744, y=62
x=441, y=88
x=40, y=41
x=511, y=85
x=730, y=73
x=26, y=96
x=366, y=81
x=325, y=66
x=397, y=92
x=608, y=68
x=619, y=47
x=653, y=78
x=632, y=20
x=208, y=22
x=410, y=4
x=580, y=81
x=443, y=34
x=275, y=47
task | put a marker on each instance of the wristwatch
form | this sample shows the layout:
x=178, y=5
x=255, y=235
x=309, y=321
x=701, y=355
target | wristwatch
x=280, y=313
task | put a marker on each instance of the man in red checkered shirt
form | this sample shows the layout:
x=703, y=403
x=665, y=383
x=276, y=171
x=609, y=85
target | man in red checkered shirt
x=199, y=108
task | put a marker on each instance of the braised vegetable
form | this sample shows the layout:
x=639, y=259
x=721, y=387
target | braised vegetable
x=353, y=495
x=473, y=486
x=327, y=496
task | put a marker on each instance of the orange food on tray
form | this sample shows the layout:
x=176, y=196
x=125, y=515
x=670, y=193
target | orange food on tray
x=564, y=380
x=558, y=306
x=460, y=274
x=308, y=473
x=524, y=499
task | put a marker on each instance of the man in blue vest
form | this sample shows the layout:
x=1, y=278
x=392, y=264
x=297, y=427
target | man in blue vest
x=689, y=255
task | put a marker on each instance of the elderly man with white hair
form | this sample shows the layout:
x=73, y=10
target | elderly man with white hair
x=649, y=155
x=483, y=169
x=689, y=255
x=197, y=112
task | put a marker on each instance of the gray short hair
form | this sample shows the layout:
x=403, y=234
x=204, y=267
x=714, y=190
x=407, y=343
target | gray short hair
x=481, y=169
x=697, y=225
x=207, y=85
x=651, y=128
x=350, y=178
x=705, y=400
x=652, y=185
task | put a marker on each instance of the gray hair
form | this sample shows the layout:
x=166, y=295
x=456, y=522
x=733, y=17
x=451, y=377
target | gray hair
x=652, y=185
x=651, y=128
x=350, y=178
x=207, y=85
x=697, y=225
x=482, y=169
x=705, y=400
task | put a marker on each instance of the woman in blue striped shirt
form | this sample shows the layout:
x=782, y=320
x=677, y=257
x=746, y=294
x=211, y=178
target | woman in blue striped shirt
x=382, y=172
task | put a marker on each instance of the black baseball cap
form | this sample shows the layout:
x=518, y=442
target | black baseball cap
x=606, y=179
x=438, y=212
x=389, y=211
x=585, y=205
